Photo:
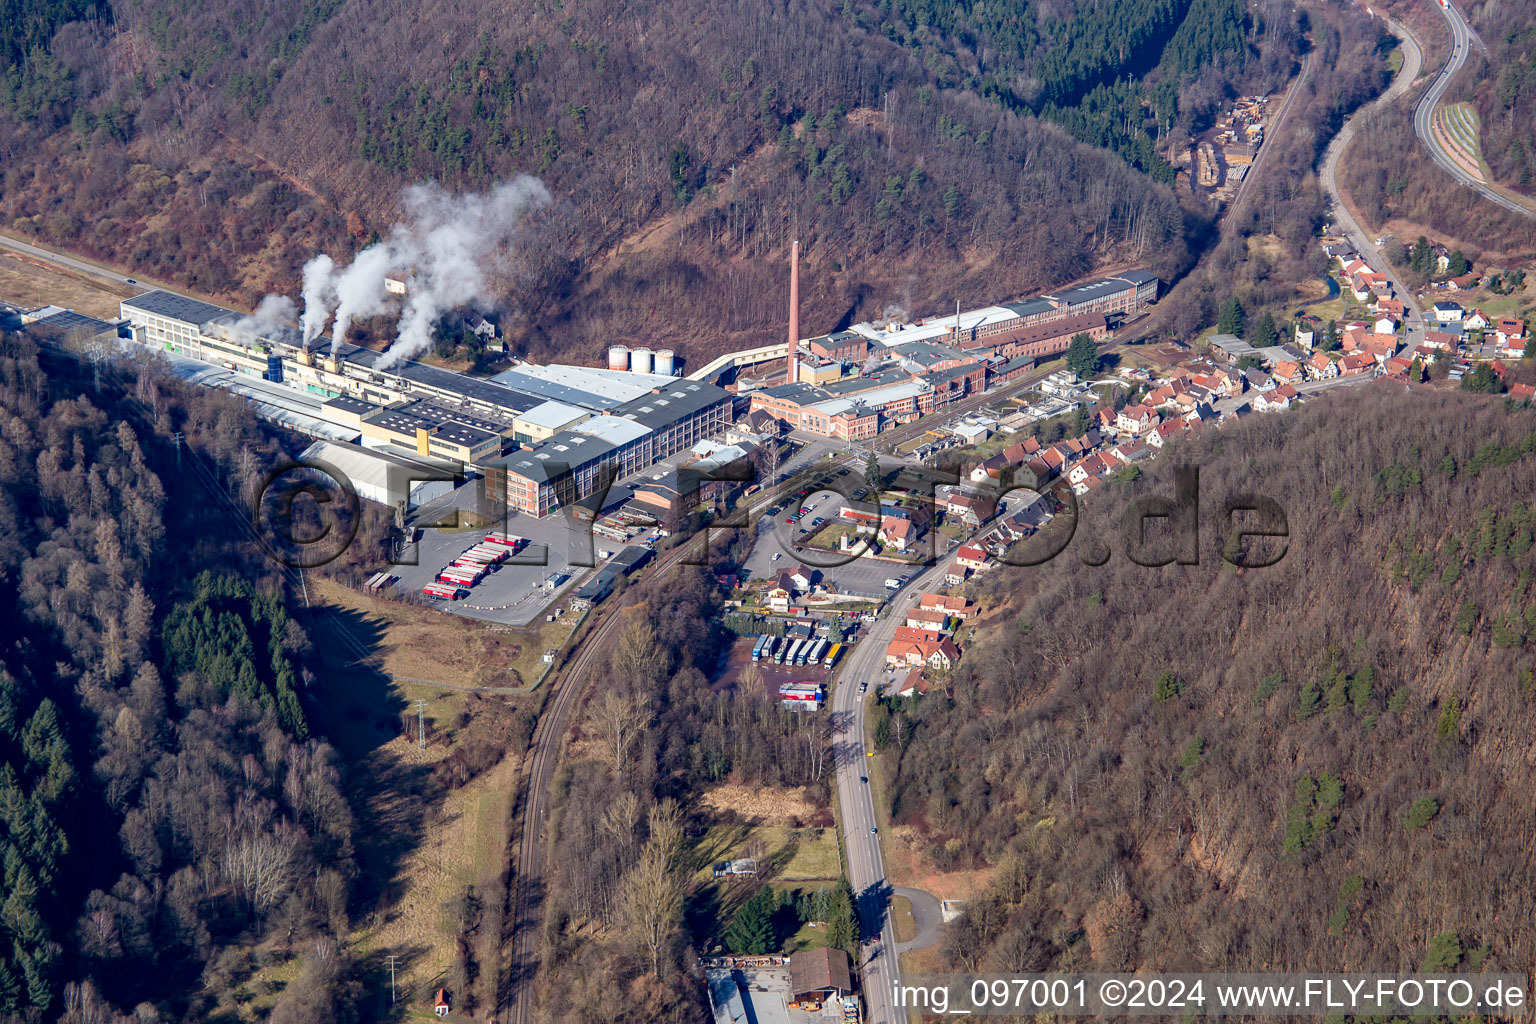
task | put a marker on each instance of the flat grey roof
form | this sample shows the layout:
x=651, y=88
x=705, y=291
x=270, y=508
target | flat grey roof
x=69, y=320
x=676, y=401
x=349, y=404
x=178, y=307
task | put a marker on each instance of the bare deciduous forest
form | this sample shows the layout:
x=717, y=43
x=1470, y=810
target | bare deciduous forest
x=169, y=821
x=1320, y=765
x=219, y=145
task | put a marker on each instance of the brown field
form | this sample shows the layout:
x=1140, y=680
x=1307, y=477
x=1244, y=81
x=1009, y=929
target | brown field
x=407, y=640
x=766, y=805
x=29, y=283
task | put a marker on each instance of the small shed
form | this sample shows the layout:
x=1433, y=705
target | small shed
x=440, y=1005
x=819, y=973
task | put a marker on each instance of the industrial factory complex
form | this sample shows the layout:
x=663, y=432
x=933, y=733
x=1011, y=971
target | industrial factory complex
x=547, y=436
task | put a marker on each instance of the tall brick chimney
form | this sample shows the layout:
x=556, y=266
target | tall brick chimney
x=794, y=313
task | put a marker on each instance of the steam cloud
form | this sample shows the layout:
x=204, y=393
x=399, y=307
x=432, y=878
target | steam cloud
x=319, y=293
x=273, y=312
x=445, y=248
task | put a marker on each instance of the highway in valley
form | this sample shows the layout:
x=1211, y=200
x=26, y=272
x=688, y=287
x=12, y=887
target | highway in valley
x=856, y=806
x=1463, y=39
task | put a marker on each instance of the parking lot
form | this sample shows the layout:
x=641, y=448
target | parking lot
x=516, y=592
x=775, y=548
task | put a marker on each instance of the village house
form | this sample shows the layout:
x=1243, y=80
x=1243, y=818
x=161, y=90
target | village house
x=970, y=509
x=1165, y=432
x=900, y=534
x=1277, y=400
x=781, y=593
x=1320, y=367
x=1386, y=325
x=1447, y=312
x=1476, y=320
x=1287, y=372
x=1136, y=420
x=1092, y=467
x=970, y=556
x=955, y=607
x=1356, y=362
x=927, y=618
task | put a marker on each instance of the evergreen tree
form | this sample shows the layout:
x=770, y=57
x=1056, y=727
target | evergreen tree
x=842, y=917
x=1265, y=331
x=751, y=930
x=1231, y=319
x=1459, y=264
x=1082, y=356
x=872, y=471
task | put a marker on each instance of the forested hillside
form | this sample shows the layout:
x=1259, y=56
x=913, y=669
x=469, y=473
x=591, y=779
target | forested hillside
x=1122, y=74
x=1156, y=760
x=1502, y=84
x=219, y=144
x=164, y=806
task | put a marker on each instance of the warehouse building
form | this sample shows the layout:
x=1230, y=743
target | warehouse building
x=389, y=480
x=580, y=462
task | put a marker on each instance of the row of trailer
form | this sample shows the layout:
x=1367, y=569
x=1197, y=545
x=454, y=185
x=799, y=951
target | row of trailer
x=472, y=565
x=785, y=651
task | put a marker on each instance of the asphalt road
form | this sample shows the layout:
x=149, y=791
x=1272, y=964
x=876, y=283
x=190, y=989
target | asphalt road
x=1413, y=60
x=856, y=806
x=60, y=259
x=1462, y=41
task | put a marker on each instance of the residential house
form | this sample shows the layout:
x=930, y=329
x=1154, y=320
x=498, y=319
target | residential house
x=943, y=656
x=1386, y=325
x=1277, y=400
x=971, y=556
x=781, y=593
x=1130, y=451
x=1287, y=372
x=1092, y=467
x=1464, y=283
x=1159, y=397
x=955, y=607
x=801, y=576
x=928, y=618
x=938, y=653
x=1447, y=312
x=1522, y=392
x=1320, y=367
x=1356, y=362
x=970, y=509
x=1442, y=340
x=1166, y=432
x=1136, y=420
x=1306, y=337
x=901, y=534
x=1476, y=320
x=1257, y=379
x=1510, y=333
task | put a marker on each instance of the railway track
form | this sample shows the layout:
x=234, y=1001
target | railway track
x=567, y=687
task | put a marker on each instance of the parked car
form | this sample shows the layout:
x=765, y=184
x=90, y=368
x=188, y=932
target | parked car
x=776, y=556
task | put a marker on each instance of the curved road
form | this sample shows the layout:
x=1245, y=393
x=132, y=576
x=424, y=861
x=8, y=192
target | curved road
x=1462, y=40
x=1328, y=177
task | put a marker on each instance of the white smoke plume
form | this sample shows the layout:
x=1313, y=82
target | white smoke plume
x=454, y=242
x=447, y=248
x=319, y=295
x=360, y=289
x=272, y=312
